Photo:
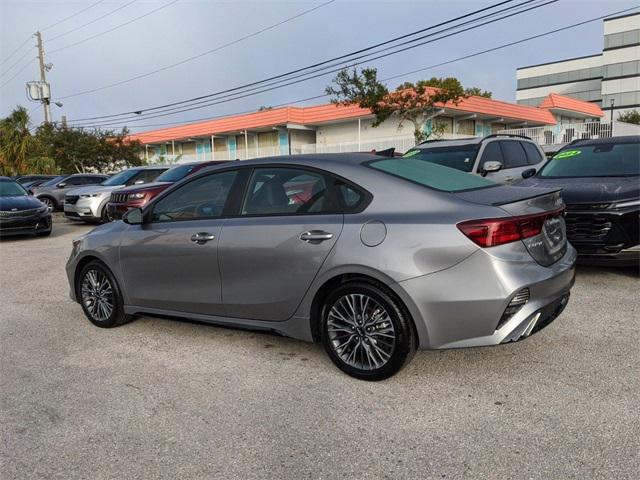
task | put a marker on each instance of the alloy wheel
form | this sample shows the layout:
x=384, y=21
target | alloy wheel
x=47, y=201
x=97, y=295
x=361, y=332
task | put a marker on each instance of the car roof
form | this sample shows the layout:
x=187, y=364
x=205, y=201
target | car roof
x=606, y=141
x=7, y=178
x=471, y=141
x=83, y=175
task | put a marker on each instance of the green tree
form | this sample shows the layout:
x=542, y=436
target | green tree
x=79, y=150
x=411, y=102
x=16, y=142
x=477, y=92
x=630, y=116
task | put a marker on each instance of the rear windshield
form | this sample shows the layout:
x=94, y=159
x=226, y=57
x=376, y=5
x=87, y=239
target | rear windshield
x=430, y=174
x=604, y=160
x=461, y=157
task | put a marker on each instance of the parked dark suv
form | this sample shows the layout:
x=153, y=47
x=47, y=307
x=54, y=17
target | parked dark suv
x=600, y=182
x=501, y=158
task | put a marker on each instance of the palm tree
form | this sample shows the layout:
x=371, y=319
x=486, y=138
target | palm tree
x=15, y=141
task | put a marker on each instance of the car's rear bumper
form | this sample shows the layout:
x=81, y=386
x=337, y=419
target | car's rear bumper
x=463, y=306
x=24, y=226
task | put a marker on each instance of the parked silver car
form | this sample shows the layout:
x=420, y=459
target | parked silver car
x=89, y=204
x=374, y=257
x=52, y=192
x=501, y=158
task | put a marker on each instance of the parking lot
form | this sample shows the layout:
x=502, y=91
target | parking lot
x=160, y=398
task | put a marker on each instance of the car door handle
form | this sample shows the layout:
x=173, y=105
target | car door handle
x=202, y=237
x=315, y=236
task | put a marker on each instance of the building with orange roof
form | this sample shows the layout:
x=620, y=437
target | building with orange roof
x=332, y=128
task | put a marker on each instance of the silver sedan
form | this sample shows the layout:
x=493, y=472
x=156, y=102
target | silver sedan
x=373, y=257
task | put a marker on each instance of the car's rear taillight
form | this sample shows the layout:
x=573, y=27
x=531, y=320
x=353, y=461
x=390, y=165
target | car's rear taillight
x=491, y=232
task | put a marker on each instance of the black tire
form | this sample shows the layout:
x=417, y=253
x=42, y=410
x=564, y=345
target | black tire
x=49, y=202
x=95, y=313
x=369, y=337
x=104, y=215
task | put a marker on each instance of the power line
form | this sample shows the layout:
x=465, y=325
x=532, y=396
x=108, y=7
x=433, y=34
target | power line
x=9, y=68
x=464, y=57
x=71, y=16
x=92, y=21
x=291, y=72
x=195, y=57
x=114, y=28
x=18, y=72
x=239, y=95
x=18, y=48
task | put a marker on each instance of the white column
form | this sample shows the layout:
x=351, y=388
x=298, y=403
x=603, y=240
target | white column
x=213, y=156
x=359, y=134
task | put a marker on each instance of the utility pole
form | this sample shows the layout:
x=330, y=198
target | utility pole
x=43, y=78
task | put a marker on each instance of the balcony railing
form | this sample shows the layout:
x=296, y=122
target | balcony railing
x=401, y=144
x=560, y=134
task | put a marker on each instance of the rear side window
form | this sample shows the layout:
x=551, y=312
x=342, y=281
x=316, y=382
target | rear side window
x=513, y=154
x=430, y=174
x=287, y=191
x=533, y=154
x=352, y=199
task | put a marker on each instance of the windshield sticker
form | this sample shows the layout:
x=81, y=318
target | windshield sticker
x=411, y=153
x=567, y=154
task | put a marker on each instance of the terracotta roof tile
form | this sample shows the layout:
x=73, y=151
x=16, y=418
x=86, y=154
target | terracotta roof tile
x=561, y=102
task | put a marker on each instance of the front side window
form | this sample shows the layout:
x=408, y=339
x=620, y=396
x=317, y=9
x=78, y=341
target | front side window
x=286, y=191
x=121, y=178
x=199, y=199
x=492, y=153
x=145, y=176
x=461, y=157
x=513, y=154
x=430, y=174
x=603, y=160
x=533, y=154
x=176, y=173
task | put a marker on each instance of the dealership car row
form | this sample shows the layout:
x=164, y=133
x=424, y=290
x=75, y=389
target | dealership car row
x=333, y=231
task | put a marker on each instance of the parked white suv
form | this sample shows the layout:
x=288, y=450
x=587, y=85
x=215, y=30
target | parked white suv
x=89, y=204
x=501, y=158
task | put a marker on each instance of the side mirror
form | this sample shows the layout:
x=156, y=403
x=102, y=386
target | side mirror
x=133, y=217
x=530, y=172
x=491, y=166
x=62, y=185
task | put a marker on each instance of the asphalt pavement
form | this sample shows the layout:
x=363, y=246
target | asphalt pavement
x=160, y=398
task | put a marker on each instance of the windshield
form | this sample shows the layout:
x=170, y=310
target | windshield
x=603, y=160
x=430, y=174
x=9, y=188
x=176, y=173
x=53, y=181
x=120, y=178
x=461, y=157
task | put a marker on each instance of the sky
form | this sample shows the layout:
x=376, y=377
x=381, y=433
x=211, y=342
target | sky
x=186, y=28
